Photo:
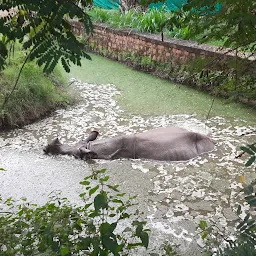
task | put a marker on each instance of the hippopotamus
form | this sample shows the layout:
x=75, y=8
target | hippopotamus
x=166, y=144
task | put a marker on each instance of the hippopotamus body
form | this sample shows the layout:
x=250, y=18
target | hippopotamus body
x=166, y=144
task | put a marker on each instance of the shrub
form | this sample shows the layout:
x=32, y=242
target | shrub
x=150, y=21
x=36, y=93
x=103, y=225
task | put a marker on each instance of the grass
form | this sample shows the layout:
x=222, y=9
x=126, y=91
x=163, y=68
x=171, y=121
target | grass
x=150, y=21
x=35, y=96
x=148, y=95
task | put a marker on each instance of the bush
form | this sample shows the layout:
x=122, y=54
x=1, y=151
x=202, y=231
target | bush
x=103, y=225
x=35, y=95
x=151, y=21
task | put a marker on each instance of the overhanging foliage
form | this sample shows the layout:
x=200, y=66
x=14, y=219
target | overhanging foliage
x=234, y=23
x=43, y=29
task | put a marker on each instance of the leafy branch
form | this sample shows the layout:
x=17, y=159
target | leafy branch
x=104, y=225
x=44, y=30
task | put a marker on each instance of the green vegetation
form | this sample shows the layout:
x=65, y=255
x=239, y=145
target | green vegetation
x=36, y=95
x=44, y=30
x=105, y=224
x=148, y=95
x=243, y=241
x=171, y=24
x=150, y=21
x=234, y=24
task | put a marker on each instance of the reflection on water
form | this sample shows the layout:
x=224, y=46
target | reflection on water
x=181, y=193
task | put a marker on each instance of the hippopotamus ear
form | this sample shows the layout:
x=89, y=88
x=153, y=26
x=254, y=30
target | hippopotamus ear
x=56, y=142
x=92, y=136
x=87, y=154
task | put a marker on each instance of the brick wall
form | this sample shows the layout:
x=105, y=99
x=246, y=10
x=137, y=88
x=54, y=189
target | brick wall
x=150, y=45
x=175, y=50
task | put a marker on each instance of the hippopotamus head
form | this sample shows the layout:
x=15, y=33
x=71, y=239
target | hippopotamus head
x=78, y=150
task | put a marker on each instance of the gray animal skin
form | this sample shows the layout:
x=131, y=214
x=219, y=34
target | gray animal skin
x=166, y=144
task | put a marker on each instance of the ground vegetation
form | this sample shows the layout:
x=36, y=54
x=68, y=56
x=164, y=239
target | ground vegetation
x=105, y=224
x=36, y=96
x=44, y=36
x=44, y=31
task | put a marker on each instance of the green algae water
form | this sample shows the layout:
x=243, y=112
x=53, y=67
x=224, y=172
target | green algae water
x=146, y=94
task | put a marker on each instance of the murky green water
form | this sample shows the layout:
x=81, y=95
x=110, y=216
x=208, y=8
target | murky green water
x=145, y=94
x=173, y=196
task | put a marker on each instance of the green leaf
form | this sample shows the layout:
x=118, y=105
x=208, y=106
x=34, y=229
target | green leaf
x=241, y=225
x=250, y=161
x=55, y=246
x=107, y=229
x=93, y=190
x=247, y=150
x=239, y=210
x=144, y=239
x=125, y=215
x=139, y=229
x=2, y=169
x=203, y=224
x=100, y=202
x=110, y=243
x=113, y=187
x=252, y=147
x=205, y=234
x=88, y=177
x=64, y=251
x=121, y=195
x=65, y=65
x=132, y=245
x=118, y=201
x=113, y=226
x=106, y=178
x=102, y=170
x=87, y=205
x=252, y=202
x=85, y=243
x=248, y=190
x=82, y=194
x=127, y=229
x=85, y=182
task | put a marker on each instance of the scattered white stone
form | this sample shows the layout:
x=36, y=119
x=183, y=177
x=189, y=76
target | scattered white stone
x=200, y=242
x=140, y=167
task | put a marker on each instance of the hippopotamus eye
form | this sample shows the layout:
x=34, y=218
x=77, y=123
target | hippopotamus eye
x=87, y=154
x=45, y=149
